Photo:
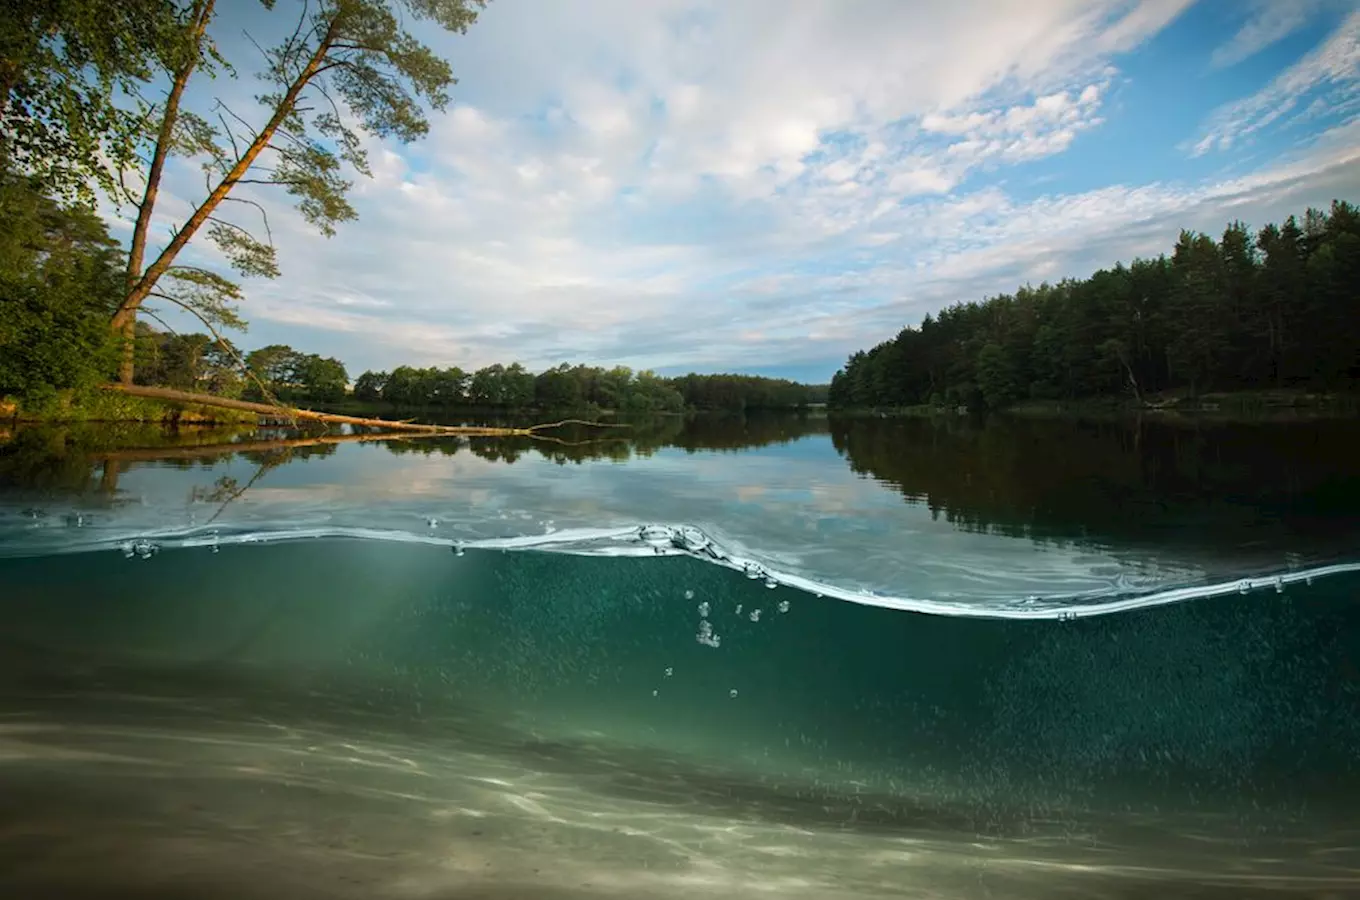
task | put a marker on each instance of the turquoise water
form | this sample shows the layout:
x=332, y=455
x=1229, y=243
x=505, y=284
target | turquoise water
x=809, y=659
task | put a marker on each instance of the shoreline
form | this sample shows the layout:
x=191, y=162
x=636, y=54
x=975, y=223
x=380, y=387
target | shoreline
x=1281, y=404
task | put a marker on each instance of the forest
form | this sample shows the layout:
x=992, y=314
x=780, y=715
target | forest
x=200, y=363
x=1279, y=308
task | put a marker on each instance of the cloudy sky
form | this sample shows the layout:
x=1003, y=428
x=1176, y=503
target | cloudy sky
x=766, y=186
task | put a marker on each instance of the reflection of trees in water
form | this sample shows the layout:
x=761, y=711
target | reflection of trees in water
x=1130, y=479
x=83, y=458
x=89, y=458
x=642, y=438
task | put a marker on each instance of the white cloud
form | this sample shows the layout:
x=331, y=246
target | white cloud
x=1268, y=22
x=1332, y=69
x=697, y=183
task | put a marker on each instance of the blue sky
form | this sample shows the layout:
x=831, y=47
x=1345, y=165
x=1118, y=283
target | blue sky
x=764, y=186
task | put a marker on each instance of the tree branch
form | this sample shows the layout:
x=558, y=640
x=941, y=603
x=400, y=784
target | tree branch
x=231, y=136
x=297, y=31
x=224, y=223
x=269, y=181
x=269, y=232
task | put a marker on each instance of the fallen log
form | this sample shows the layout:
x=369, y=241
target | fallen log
x=265, y=409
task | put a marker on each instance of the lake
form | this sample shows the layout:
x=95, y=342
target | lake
x=786, y=655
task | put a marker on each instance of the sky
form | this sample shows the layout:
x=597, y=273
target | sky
x=765, y=187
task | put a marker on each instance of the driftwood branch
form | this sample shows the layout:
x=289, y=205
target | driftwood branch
x=177, y=396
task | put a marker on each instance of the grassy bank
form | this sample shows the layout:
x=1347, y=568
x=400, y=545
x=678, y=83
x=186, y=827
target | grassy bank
x=1237, y=405
x=1264, y=404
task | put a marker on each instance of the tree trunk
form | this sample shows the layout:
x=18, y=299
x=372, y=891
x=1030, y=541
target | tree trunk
x=125, y=320
x=127, y=327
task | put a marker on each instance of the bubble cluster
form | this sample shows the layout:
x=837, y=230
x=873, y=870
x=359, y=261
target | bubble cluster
x=783, y=606
x=142, y=549
x=706, y=636
x=755, y=615
x=703, y=609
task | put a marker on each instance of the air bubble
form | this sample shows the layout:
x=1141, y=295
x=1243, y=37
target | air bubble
x=458, y=550
x=654, y=693
x=703, y=609
x=732, y=693
x=755, y=615
x=753, y=572
x=706, y=636
x=1279, y=585
x=738, y=609
x=689, y=595
x=770, y=582
x=1244, y=587
x=669, y=671
x=143, y=549
x=783, y=606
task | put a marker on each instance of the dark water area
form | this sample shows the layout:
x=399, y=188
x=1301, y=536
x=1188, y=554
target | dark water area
x=456, y=669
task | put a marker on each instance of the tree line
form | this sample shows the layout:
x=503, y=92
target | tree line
x=581, y=387
x=1274, y=309
x=198, y=362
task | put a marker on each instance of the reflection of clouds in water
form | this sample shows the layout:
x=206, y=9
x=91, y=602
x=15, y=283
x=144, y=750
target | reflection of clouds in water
x=804, y=514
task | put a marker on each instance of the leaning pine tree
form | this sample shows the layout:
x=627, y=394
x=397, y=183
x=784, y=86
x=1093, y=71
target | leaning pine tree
x=344, y=62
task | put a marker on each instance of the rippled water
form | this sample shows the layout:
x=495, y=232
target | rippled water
x=1079, y=660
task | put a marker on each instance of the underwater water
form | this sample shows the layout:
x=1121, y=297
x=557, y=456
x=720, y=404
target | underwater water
x=787, y=656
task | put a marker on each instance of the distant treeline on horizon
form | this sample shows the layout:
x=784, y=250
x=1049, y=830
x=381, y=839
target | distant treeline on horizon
x=197, y=362
x=1276, y=309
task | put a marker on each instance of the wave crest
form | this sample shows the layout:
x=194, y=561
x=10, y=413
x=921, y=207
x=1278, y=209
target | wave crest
x=661, y=540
